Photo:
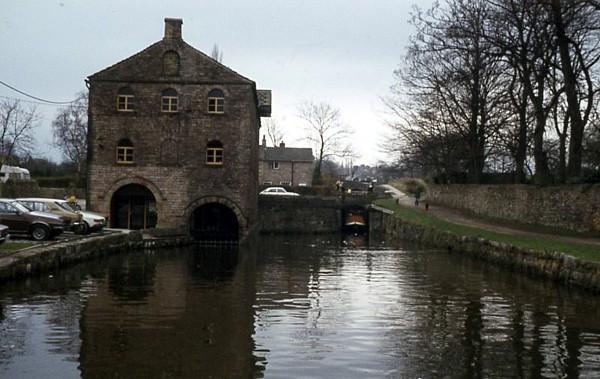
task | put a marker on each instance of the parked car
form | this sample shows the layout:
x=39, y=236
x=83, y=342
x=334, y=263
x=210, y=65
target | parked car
x=90, y=222
x=20, y=220
x=3, y=233
x=73, y=220
x=277, y=191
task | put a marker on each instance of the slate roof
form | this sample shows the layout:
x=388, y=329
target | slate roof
x=286, y=154
x=146, y=65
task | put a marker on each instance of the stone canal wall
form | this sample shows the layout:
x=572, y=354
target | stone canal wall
x=555, y=266
x=574, y=207
x=299, y=215
x=55, y=255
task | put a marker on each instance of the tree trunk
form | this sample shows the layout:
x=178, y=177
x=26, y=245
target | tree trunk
x=570, y=80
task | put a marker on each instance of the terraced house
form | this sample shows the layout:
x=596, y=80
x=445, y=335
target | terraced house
x=173, y=141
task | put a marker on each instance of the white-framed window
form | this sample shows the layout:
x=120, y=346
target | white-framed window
x=214, y=153
x=169, y=101
x=216, y=101
x=274, y=165
x=125, y=100
x=125, y=151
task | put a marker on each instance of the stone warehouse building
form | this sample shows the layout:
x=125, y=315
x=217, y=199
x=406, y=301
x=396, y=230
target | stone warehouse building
x=173, y=141
x=289, y=166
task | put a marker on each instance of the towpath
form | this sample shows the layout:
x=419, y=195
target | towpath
x=456, y=217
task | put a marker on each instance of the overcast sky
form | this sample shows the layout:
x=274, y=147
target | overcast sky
x=342, y=51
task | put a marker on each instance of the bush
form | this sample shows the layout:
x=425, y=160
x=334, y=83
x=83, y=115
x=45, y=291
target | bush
x=412, y=186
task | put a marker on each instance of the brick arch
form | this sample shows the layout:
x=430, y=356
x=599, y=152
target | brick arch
x=242, y=220
x=158, y=195
x=117, y=184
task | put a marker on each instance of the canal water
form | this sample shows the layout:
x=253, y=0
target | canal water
x=295, y=308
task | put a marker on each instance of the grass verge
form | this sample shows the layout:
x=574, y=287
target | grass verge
x=12, y=246
x=582, y=251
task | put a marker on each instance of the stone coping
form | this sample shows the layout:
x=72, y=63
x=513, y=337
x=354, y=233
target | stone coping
x=53, y=255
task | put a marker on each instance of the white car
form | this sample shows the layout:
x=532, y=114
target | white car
x=277, y=191
x=90, y=221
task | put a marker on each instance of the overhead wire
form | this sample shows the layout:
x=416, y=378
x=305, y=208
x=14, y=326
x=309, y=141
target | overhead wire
x=37, y=102
x=35, y=97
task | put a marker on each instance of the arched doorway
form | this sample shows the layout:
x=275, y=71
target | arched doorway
x=214, y=222
x=133, y=207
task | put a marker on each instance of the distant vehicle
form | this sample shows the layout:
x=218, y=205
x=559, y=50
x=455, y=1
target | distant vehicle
x=14, y=173
x=91, y=221
x=73, y=220
x=20, y=220
x=3, y=233
x=277, y=191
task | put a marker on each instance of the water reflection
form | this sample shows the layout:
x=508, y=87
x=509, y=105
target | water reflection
x=195, y=318
x=295, y=308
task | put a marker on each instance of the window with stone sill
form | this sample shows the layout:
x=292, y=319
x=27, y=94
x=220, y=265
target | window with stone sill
x=214, y=153
x=169, y=101
x=125, y=152
x=125, y=100
x=216, y=101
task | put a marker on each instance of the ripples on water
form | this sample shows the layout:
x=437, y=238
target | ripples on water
x=295, y=308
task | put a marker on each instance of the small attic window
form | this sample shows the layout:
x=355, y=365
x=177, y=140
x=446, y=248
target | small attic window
x=171, y=63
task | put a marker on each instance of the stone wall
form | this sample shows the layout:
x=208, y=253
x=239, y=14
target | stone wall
x=575, y=207
x=31, y=188
x=299, y=215
x=554, y=266
x=55, y=255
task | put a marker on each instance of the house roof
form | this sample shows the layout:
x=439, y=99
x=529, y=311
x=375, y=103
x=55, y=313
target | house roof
x=286, y=154
x=147, y=65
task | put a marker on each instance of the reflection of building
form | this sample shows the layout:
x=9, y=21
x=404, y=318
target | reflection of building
x=173, y=140
x=292, y=166
x=169, y=315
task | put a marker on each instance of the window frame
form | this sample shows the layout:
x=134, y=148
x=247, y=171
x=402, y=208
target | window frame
x=275, y=165
x=169, y=101
x=214, y=154
x=125, y=152
x=125, y=99
x=216, y=104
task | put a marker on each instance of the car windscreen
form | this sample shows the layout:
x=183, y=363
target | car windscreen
x=20, y=207
x=66, y=206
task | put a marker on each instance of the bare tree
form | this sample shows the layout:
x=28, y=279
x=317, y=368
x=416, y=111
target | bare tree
x=216, y=53
x=326, y=132
x=70, y=129
x=451, y=92
x=273, y=130
x=576, y=27
x=16, y=129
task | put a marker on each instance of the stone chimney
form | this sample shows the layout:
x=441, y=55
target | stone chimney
x=282, y=144
x=264, y=141
x=173, y=28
